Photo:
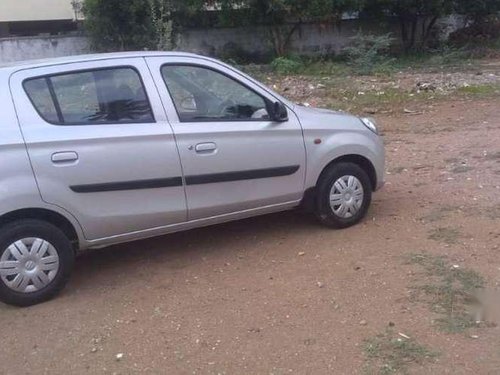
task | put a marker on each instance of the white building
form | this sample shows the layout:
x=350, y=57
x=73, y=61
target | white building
x=35, y=17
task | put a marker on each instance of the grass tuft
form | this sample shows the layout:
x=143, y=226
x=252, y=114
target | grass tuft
x=449, y=236
x=450, y=291
x=389, y=353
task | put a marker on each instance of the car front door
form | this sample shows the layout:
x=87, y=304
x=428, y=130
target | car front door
x=234, y=157
x=101, y=146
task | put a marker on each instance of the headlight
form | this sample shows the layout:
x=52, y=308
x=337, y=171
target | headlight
x=370, y=124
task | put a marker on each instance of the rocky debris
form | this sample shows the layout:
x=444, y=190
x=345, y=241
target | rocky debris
x=313, y=91
x=426, y=86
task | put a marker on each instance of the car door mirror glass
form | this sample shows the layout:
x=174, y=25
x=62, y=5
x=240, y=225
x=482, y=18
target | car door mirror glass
x=279, y=113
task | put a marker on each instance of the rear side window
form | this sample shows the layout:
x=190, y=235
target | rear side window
x=104, y=96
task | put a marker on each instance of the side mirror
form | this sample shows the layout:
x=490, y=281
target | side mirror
x=278, y=112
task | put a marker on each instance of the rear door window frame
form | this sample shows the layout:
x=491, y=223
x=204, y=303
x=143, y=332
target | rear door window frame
x=79, y=71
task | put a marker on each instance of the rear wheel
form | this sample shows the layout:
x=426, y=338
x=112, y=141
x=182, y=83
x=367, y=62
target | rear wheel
x=344, y=195
x=36, y=260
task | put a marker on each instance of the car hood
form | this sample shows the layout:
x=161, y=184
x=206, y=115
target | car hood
x=315, y=118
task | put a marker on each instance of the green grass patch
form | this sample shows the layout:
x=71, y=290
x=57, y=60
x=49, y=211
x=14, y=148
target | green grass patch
x=479, y=90
x=449, y=290
x=440, y=213
x=448, y=236
x=389, y=353
x=462, y=169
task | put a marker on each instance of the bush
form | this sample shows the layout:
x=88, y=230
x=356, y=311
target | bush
x=368, y=52
x=116, y=25
x=235, y=54
x=477, y=33
x=287, y=65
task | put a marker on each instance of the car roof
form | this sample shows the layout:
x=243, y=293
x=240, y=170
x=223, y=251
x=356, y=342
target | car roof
x=26, y=64
x=6, y=70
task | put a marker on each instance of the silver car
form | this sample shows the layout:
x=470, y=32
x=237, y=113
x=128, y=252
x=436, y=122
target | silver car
x=102, y=149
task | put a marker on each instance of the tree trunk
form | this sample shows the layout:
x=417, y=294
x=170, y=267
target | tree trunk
x=428, y=30
x=414, y=25
x=404, y=31
x=290, y=34
x=277, y=40
x=281, y=38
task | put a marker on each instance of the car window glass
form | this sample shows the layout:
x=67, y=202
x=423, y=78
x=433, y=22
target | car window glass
x=202, y=94
x=40, y=96
x=102, y=96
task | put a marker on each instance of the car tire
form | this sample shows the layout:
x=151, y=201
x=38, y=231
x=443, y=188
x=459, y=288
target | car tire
x=36, y=261
x=343, y=195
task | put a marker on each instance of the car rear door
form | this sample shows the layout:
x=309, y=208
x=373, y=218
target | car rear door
x=232, y=162
x=100, y=145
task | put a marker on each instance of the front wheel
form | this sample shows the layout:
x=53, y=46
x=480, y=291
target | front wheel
x=36, y=260
x=344, y=194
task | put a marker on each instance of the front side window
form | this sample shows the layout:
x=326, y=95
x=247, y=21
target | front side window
x=202, y=94
x=104, y=96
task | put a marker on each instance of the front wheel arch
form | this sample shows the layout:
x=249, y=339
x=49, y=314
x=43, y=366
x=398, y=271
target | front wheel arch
x=309, y=199
x=352, y=198
x=359, y=160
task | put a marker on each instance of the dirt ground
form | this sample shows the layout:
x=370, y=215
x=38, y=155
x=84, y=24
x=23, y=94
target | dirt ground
x=280, y=294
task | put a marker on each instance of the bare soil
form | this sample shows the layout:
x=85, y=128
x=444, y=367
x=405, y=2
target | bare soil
x=280, y=294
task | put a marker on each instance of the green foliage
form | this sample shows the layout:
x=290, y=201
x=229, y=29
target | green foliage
x=119, y=25
x=150, y=24
x=394, y=353
x=162, y=24
x=477, y=10
x=367, y=52
x=284, y=17
x=417, y=18
x=284, y=65
x=450, y=290
x=234, y=54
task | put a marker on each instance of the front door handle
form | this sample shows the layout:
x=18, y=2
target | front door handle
x=205, y=148
x=64, y=157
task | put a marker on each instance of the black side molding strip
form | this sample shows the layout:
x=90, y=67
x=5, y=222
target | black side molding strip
x=241, y=175
x=128, y=185
x=190, y=180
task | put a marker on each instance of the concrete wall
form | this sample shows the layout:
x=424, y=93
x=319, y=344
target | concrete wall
x=16, y=49
x=310, y=39
x=253, y=43
x=35, y=10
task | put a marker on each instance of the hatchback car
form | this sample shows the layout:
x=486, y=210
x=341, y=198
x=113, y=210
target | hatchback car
x=102, y=149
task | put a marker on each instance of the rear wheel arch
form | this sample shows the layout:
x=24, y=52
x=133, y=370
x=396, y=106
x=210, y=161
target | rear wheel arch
x=46, y=215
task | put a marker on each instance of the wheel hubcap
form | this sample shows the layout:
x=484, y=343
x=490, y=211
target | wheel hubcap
x=29, y=265
x=346, y=197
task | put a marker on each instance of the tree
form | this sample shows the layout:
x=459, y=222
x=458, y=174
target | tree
x=283, y=17
x=119, y=24
x=417, y=18
x=477, y=11
x=162, y=23
x=483, y=21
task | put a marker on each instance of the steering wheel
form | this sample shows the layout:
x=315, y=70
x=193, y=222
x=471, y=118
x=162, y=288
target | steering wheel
x=223, y=108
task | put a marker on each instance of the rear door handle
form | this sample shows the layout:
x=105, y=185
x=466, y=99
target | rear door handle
x=204, y=148
x=64, y=157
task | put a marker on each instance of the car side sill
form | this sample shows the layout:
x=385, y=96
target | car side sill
x=158, y=231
